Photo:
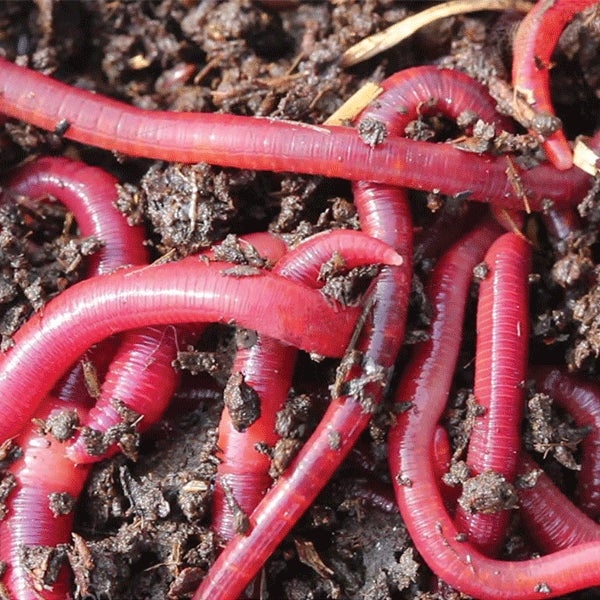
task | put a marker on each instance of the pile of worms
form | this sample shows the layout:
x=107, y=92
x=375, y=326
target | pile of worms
x=156, y=308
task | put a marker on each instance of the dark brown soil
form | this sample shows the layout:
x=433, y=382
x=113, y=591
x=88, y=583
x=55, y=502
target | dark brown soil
x=142, y=527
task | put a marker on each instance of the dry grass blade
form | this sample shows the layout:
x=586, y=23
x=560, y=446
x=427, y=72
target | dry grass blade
x=398, y=32
x=585, y=158
x=355, y=104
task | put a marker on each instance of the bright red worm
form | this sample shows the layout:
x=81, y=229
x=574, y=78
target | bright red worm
x=500, y=371
x=176, y=293
x=534, y=43
x=552, y=520
x=267, y=368
x=89, y=193
x=265, y=144
x=581, y=399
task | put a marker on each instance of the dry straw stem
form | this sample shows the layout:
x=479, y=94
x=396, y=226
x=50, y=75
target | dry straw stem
x=585, y=158
x=355, y=104
x=398, y=32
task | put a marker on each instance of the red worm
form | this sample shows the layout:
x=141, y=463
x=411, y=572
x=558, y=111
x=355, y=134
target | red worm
x=536, y=38
x=43, y=469
x=321, y=455
x=265, y=144
x=426, y=90
x=581, y=399
x=89, y=193
x=552, y=520
x=32, y=519
x=433, y=531
x=142, y=377
x=427, y=379
x=500, y=372
x=183, y=292
x=267, y=367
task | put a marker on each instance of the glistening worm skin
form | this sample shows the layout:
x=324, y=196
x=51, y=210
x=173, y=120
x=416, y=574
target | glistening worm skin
x=267, y=368
x=142, y=377
x=500, y=373
x=89, y=193
x=434, y=533
x=183, y=292
x=535, y=40
x=428, y=377
x=264, y=144
x=31, y=522
x=424, y=90
x=582, y=400
x=553, y=521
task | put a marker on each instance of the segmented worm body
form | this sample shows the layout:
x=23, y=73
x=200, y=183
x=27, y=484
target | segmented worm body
x=267, y=368
x=500, y=373
x=266, y=144
x=536, y=38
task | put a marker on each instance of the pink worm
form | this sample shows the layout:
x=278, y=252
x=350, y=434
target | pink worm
x=30, y=522
x=427, y=379
x=581, y=399
x=89, y=193
x=500, y=372
x=433, y=531
x=142, y=377
x=536, y=38
x=553, y=521
x=183, y=292
x=268, y=367
x=44, y=469
x=265, y=144
x=384, y=214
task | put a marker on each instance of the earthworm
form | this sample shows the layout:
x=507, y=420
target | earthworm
x=371, y=492
x=136, y=391
x=432, y=530
x=175, y=293
x=428, y=376
x=266, y=144
x=43, y=470
x=89, y=193
x=383, y=214
x=500, y=372
x=442, y=458
x=581, y=399
x=142, y=377
x=535, y=39
x=267, y=367
x=44, y=478
x=552, y=520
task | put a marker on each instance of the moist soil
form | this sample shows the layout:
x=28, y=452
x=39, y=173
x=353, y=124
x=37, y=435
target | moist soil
x=142, y=526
